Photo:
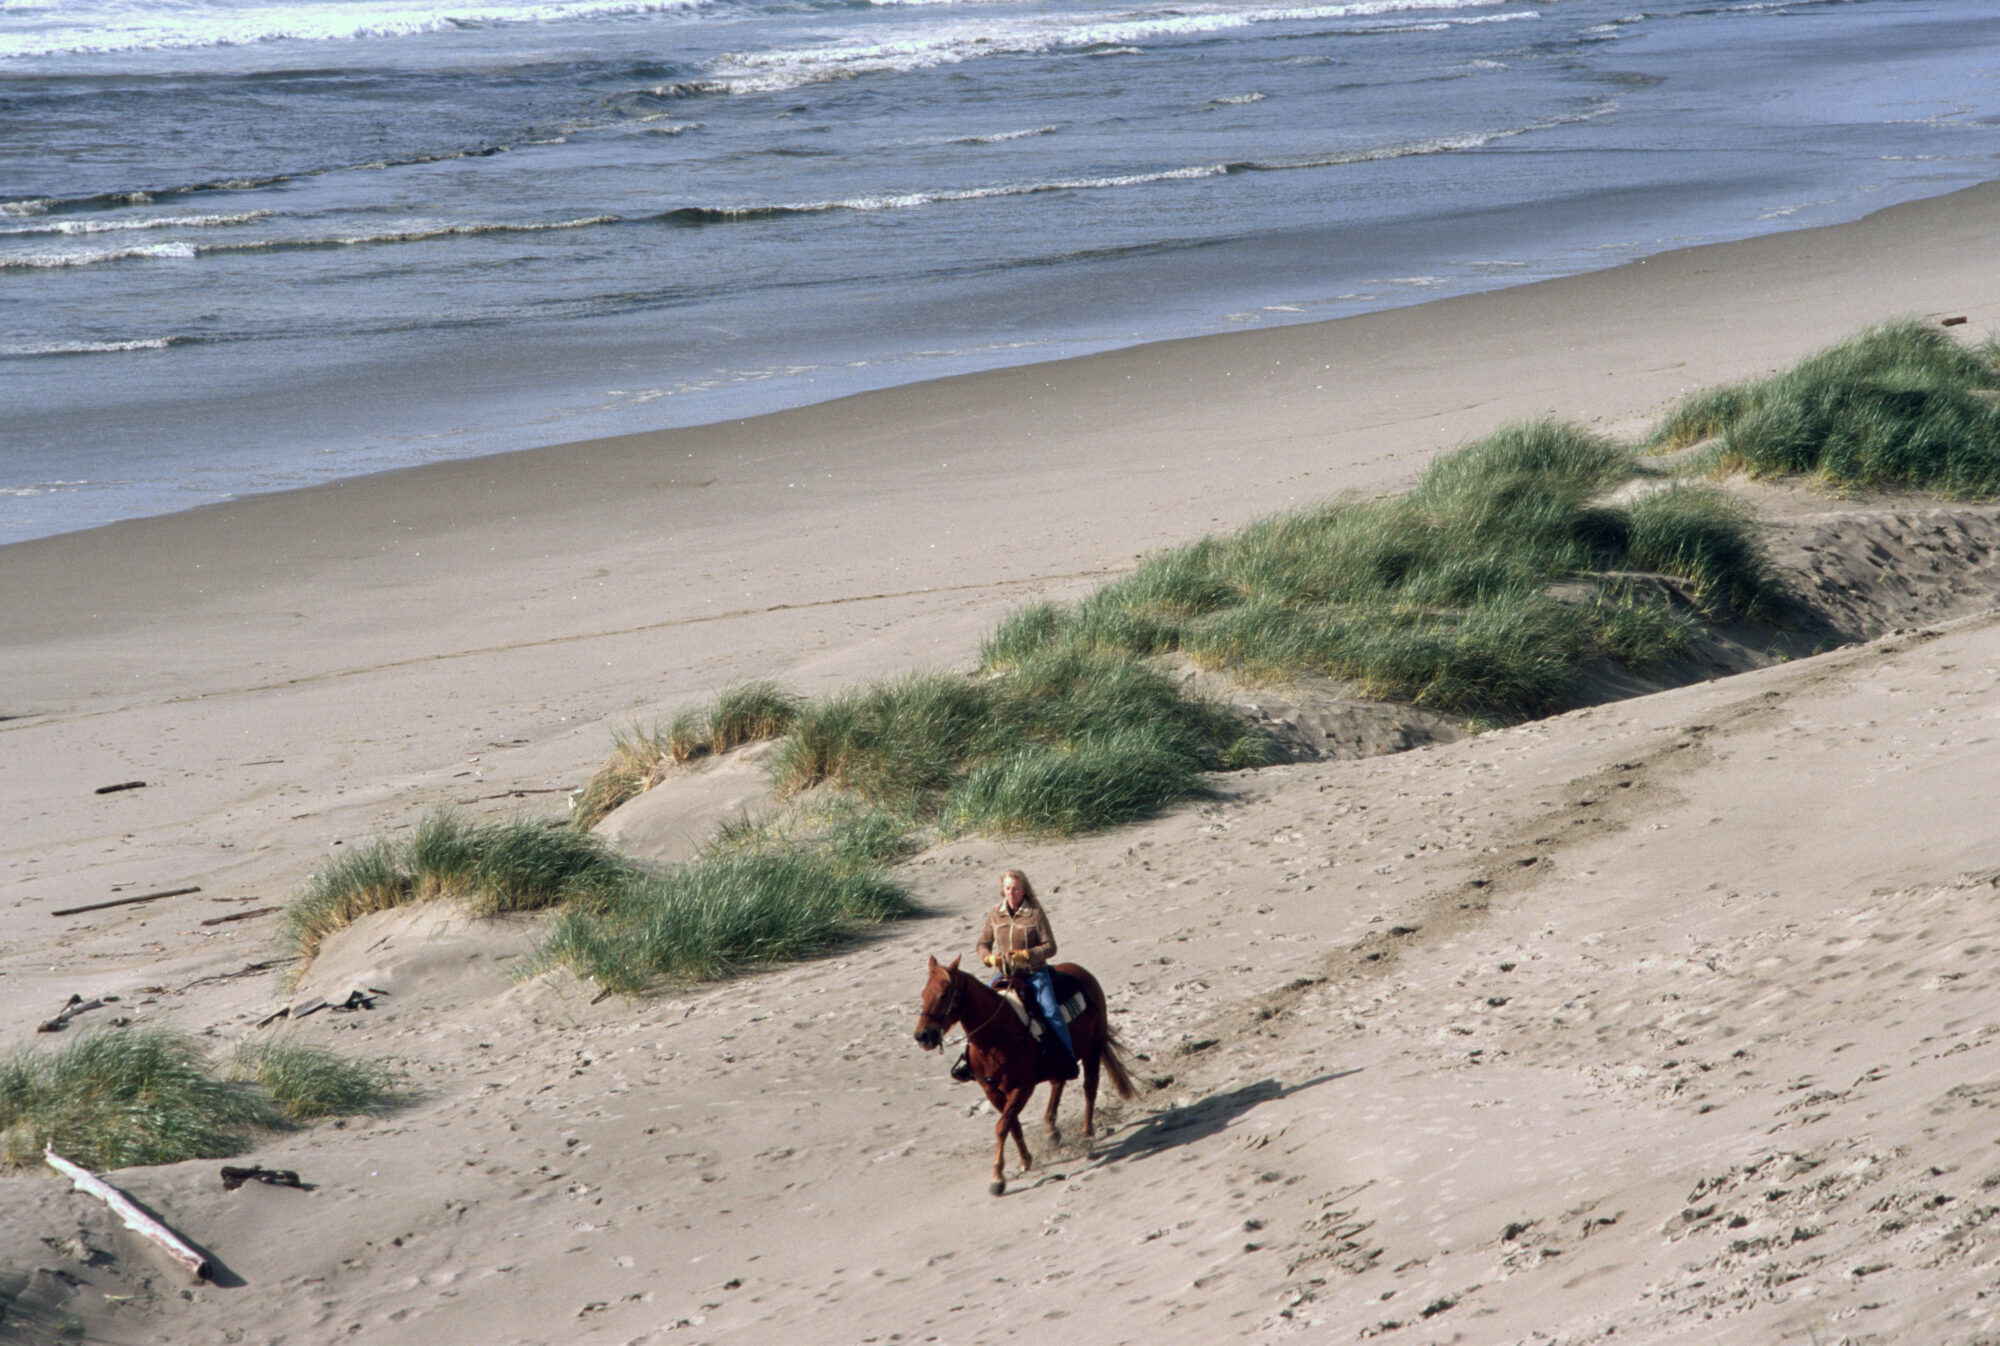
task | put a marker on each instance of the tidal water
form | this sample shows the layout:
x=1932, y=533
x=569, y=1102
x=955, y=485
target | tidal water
x=254, y=244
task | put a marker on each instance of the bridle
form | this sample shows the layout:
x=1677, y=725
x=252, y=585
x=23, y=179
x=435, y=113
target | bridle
x=942, y=1016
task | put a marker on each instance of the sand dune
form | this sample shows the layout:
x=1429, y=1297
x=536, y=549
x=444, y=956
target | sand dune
x=1664, y=1016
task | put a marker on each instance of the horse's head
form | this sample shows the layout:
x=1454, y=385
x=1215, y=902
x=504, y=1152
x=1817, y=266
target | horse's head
x=940, y=1005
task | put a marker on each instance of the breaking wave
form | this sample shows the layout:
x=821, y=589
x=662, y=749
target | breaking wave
x=183, y=250
x=700, y=215
x=153, y=25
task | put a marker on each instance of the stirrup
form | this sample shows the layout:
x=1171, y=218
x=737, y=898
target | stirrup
x=961, y=1069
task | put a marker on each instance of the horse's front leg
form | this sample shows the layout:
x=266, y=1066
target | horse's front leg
x=1009, y=1124
x=1049, y=1117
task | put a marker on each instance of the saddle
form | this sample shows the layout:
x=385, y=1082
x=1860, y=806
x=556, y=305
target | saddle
x=1054, y=1063
x=1070, y=1000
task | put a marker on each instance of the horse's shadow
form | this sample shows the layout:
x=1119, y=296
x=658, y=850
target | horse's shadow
x=1202, y=1118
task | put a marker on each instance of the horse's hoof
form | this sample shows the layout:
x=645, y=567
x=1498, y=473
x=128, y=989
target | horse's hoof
x=997, y=1187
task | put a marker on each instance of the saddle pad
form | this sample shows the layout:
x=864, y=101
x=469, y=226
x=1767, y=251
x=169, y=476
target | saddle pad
x=1020, y=1010
x=1070, y=1000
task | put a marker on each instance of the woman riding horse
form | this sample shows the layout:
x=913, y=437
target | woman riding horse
x=1018, y=940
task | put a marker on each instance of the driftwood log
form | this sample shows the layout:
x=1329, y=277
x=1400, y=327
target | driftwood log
x=76, y=1005
x=240, y=915
x=126, y=901
x=135, y=1219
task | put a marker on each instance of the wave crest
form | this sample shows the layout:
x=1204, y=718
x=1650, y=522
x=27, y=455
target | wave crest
x=31, y=349
x=173, y=27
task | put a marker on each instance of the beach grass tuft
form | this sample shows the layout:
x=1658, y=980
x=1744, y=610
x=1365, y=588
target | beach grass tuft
x=750, y=713
x=1441, y=596
x=1062, y=739
x=308, y=1082
x=488, y=868
x=718, y=913
x=1902, y=404
x=639, y=758
x=117, y=1098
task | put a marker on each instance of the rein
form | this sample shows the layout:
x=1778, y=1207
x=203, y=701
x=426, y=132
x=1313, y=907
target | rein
x=944, y=1016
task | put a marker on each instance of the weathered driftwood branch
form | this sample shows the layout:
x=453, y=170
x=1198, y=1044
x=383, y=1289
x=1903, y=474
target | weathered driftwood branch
x=126, y=901
x=77, y=1005
x=135, y=1219
x=240, y=915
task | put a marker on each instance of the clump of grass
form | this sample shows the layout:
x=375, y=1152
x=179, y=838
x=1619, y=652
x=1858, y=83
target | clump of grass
x=1052, y=727
x=366, y=879
x=487, y=867
x=749, y=714
x=892, y=742
x=308, y=1082
x=1097, y=783
x=1902, y=404
x=639, y=758
x=1709, y=540
x=719, y=913
x=1441, y=596
x=114, y=1099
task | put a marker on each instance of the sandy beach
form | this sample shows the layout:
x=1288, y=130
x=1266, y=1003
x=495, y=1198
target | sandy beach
x=1660, y=1020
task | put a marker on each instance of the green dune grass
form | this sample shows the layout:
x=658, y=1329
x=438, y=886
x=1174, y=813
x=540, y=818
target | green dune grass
x=1440, y=596
x=116, y=1098
x=1902, y=404
x=488, y=868
x=725, y=910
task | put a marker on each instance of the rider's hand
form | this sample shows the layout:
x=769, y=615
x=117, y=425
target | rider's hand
x=992, y=961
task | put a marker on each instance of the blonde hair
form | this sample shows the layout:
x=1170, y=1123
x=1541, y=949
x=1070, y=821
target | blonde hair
x=1027, y=888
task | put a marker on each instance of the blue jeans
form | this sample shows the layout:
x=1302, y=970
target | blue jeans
x=1044, y=984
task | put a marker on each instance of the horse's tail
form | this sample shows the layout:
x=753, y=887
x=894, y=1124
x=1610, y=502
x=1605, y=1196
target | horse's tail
x=1108, y=1046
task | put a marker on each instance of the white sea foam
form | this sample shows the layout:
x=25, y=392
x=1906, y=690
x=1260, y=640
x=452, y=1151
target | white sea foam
x=82, y=227
x=415, y=234
x=914, y=200
x=1340, y=158
x=181, y=249
x=1001, y=137
x=934, y=45
x=48, y=261
x=24, y=350
x=100, y=27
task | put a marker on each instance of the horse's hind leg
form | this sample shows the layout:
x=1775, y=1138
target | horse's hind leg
x=1049, y=1117
x=1091, y=1060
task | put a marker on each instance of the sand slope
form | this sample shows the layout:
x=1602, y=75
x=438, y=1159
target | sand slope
x=1665, y=1016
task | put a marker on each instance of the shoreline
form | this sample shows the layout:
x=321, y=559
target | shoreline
x=896, y=389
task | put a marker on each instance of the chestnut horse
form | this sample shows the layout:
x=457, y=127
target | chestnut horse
x=1004, y=1054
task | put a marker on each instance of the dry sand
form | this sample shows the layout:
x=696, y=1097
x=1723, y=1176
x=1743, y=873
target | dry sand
x=1663, y=1020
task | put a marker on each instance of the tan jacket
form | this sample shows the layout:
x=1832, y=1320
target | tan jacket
x=1025, y=934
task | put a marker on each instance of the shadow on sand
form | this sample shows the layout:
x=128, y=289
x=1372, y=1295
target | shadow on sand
x=1203, y=1117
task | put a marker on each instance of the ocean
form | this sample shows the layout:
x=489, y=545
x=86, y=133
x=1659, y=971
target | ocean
x=254, y=244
